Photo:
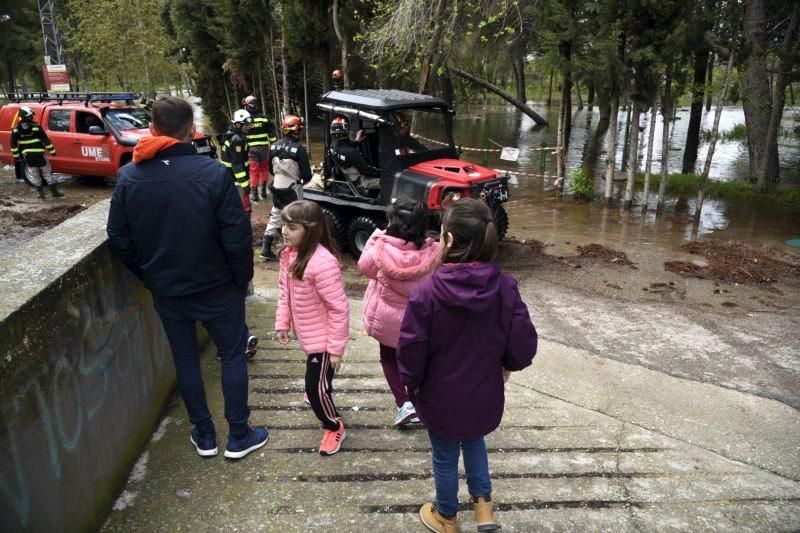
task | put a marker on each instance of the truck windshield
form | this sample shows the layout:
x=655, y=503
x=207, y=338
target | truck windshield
x=427, y=129
x=129, y=119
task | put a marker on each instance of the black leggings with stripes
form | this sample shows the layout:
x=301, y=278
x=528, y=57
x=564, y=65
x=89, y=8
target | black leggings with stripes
x=319, y=388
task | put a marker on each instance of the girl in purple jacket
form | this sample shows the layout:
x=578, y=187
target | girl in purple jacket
x=464, y=330
x=396, y=261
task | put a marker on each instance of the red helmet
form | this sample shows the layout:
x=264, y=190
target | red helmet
x=292, y=123
x=249, y=101
x=340, y=125
x=337, y=74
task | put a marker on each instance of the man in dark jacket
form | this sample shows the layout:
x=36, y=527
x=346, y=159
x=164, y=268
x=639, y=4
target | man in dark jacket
x=177, y=223
x=348, y=157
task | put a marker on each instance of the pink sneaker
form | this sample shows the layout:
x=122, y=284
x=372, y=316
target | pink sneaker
x=332, y=440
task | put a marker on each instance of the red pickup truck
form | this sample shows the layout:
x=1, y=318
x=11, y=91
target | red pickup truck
x=93, y=133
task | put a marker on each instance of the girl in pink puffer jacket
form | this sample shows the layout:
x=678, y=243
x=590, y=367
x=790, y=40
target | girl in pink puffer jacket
x=396, y=261
x=312, y=301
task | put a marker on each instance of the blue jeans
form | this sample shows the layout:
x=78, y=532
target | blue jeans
x=445, y=470
x=221, y=311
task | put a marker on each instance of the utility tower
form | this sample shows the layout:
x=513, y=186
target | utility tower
x=52, y=38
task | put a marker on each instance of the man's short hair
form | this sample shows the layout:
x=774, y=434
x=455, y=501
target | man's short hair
x=173, y=116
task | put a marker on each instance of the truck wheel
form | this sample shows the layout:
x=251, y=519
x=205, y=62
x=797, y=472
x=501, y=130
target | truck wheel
x=501, y=221
x=358, y=234
x=337, y=227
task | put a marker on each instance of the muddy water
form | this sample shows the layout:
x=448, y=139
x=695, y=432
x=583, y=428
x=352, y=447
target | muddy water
x=536, y=213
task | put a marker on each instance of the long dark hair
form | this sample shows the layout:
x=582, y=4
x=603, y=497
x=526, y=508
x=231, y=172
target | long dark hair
x=309, y=215
x=408, y=220
x=474, y=232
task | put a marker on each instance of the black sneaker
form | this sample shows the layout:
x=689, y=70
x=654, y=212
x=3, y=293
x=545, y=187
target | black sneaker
x=255, y=439
x=206, y=445
x=252, y=342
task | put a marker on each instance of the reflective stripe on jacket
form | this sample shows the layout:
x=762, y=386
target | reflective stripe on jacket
x=29, y=138
x=259, y=134
x=234, y=156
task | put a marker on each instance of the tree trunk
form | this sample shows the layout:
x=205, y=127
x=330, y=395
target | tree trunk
x=433, y=45
x=666, y=115
x=272, y=69
x=519, y=67
x=626, y=142
x=710, y=81
x=342, y=38
x=306, y=113
x=756, y=97
x=785, y=65
x=696, y=113
x=649, y=159
x=712, y=143
x=633, y=164
x=550, y=90
x=12, y=83
x=538, y=119
x=611, y=151
x=284, y=75
x=590, y=98
x=578, y=95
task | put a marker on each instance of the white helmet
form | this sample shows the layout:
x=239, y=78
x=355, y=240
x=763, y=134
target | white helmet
x=242, y=116
x=25, y=112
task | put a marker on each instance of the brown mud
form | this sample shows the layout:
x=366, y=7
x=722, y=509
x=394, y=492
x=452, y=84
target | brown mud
x=736, y=262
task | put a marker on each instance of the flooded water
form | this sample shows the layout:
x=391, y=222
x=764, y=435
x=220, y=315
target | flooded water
x=537, y=213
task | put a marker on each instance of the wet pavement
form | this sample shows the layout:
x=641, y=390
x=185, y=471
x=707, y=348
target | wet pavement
x=586, y=443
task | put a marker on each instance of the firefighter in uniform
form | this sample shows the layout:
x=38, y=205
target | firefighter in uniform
x=28, y=144
x=260, y=136
x=348, y=156
x=290, y=169
x=235, y=154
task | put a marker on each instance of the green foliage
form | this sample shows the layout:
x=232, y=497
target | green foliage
x=196, y=25
x=119, y=52
x=582, y=184
x=737, y=134
x=687, y=185
x=20, y=45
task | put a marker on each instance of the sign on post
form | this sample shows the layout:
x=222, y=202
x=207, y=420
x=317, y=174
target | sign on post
x=509, y=154
x=56, y=78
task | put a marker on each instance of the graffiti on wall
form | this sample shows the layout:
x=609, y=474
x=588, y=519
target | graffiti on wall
x=82, y=389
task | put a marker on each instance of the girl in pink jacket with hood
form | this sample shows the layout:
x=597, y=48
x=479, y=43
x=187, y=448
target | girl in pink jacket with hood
x=312, y=301
x=396, y=261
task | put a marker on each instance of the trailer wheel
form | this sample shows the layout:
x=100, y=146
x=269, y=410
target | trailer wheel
x=337, y=226
x=501, y=221
x=358, y=233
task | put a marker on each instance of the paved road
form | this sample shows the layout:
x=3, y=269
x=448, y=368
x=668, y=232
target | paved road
x=570, y=455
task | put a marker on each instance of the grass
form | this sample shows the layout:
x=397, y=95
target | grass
x=689, y=184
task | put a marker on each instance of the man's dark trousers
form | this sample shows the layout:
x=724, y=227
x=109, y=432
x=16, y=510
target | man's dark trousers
x=221, y=311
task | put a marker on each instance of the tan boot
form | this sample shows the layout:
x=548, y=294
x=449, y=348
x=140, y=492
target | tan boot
x=484, y=516
x=435, y=522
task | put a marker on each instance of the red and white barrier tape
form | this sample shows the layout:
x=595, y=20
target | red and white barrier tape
x=553, y=149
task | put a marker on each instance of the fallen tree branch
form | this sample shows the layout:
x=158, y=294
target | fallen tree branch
x=537, y=118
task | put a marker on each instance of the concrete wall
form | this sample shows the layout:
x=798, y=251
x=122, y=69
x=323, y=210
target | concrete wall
x=85, y=371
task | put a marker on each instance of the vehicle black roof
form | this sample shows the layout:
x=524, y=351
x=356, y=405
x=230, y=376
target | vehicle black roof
x=383, y=99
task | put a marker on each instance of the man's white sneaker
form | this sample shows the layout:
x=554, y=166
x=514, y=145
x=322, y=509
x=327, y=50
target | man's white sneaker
x=405, y=414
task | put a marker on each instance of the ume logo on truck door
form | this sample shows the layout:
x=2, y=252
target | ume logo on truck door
x=99, y=153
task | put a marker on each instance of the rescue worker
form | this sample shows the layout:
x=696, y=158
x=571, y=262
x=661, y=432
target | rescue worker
x=407, y=143
x=28, y=144
x=235, y=154
x=290, y=169
x=348, y=156
x=259, y=138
